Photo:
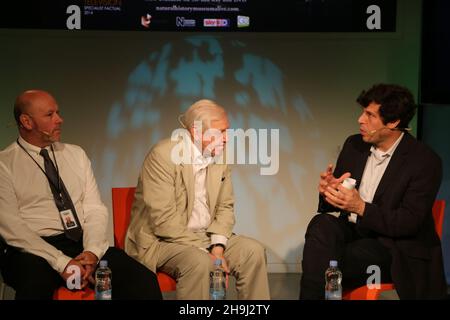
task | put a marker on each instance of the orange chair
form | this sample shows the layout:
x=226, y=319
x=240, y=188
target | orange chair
x=122, y=199
x=438, y=215
x=364, y=293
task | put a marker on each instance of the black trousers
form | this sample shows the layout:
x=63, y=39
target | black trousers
x=33, y=278
x=330, y=238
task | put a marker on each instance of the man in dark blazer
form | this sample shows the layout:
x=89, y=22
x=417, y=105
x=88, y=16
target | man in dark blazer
x=386, y=221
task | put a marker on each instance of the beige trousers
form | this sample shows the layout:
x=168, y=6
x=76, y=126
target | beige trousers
x=191, y=267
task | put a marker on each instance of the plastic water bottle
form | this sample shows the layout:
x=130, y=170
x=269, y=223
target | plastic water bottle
x=103, y=281
x=217, y=287
x=333, y=279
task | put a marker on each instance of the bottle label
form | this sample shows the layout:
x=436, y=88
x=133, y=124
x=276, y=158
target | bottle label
x=103, y=295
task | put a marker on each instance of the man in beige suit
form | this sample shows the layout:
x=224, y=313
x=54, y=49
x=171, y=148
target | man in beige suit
x=183, y=212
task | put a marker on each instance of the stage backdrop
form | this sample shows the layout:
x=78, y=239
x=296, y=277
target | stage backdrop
x=120, y=92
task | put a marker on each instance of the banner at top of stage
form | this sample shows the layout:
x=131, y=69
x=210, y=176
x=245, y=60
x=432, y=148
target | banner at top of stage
x=203, y=15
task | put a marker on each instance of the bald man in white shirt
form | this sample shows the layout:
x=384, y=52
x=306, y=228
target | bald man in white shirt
x=38, y=252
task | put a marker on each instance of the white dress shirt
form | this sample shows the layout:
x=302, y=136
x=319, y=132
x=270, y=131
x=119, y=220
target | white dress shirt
x=373, y=172
x=201, y=218
x=28, y=210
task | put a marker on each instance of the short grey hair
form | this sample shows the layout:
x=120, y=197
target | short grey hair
x=203, y=110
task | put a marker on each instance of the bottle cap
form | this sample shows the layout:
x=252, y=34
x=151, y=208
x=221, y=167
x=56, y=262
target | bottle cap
x=217, y=262
x=333, y=263
x=103, y=263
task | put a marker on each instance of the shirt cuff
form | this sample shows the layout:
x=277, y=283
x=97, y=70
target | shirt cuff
x=61, y=263
x=218, y=238
x=204, y=250
x=352, y=217
x=99, y=251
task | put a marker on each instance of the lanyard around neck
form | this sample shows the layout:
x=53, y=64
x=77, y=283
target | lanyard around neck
x=57, y=187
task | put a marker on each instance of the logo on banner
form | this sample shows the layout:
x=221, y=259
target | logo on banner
x=216, y=23
x=146, y=20
x=243, y=21
x=183, y=22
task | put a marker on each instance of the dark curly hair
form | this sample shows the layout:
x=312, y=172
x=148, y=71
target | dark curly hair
x=396, y=103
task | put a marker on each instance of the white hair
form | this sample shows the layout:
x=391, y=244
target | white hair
x=203, y=110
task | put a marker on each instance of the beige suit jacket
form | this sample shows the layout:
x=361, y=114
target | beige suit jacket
x=164, y=200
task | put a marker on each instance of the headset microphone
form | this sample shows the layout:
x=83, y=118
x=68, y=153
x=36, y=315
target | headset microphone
x=47, y=135
x=393, y=129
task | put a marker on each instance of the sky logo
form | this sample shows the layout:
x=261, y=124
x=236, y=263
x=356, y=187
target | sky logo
x=216, y=23
x=243, y=21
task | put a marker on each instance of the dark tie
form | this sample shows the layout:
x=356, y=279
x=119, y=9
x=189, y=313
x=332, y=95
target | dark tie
x=62, y=197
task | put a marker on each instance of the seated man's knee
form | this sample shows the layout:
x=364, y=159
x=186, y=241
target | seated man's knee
x=253, y=249
x=324, y=228
x=39, y=288
x=35, y=279
x=322, y=221
x=197, y=262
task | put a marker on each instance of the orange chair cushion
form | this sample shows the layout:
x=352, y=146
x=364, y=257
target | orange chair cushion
x=364, y=293
x=63, y=293
x=166, y=282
